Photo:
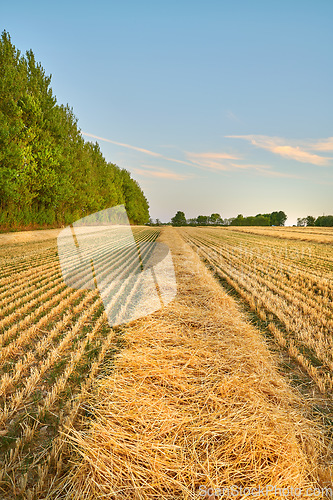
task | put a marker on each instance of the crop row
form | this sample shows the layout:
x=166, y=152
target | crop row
x=54, y=342
x=295, y=303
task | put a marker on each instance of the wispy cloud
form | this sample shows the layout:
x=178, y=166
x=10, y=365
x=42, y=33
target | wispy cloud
x=213, y=161
x=249, y=166
x=275, y=173
x=183, y=162
x=265, y=170
x=218, y=161
x=229, y=114
x=160, y=173
x=225, y=162
x=323, y=144
x=198, y=160
x=296, y=153
x=295, y=150
x=212, y=156
x=128, y=146
x=135, y=148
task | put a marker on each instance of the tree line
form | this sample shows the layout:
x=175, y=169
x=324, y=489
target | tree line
x=271, y=219
x=49, y=176
x=321, y=221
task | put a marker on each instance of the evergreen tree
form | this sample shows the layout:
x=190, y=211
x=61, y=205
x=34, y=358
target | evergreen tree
x=48, y=174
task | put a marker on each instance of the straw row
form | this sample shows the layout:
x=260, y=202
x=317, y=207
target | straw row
x=54, y=341
x=195, y=400
x=307, y=318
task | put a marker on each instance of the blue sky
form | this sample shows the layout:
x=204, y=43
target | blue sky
x=213, y=106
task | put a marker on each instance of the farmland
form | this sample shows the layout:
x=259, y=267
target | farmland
x=54, y=341
x=190, y=383
x=285, y=275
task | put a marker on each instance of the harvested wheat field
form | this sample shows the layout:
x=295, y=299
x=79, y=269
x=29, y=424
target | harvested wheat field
x=286, y=280
x=195, y=401
x=181, y=404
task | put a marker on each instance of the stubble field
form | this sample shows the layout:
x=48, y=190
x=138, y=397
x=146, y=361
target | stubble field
x=285, y=275
x=197, y=397
x=54, y=341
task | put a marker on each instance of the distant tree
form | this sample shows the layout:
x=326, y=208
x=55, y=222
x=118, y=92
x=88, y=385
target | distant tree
x=278, y=218
x=324, y=221
x=310, y=221
x=267, y=216
x=238, y=221
x=251, y=221
x=179, y=219
x=259, y=220
x=202, y=220
x=275, y=218
x=215, y=219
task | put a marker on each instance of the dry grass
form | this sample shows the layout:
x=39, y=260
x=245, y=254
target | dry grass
x=54, y=342
x=194, y=399
x=28, y=236
x=315, y=234
x=287, y=283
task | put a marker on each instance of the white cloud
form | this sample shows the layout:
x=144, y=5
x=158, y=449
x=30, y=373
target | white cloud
x=135, y=148
x=128, y=146
x=160, y=173
x=213, y=161
x=265, y=170
x=323, y=145
x=296, y=150
x=224, y=162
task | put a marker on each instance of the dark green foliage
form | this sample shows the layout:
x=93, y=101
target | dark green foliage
x=278, y=218
x=49, y=175
x=324, y=221
x=156, y=223
x=310, y=221
x=215, y=219
x=321, y=221
x=238, y=221
x=272, y=219
x=206, y=220
x=202, y=220
x=179, y=219
x=258, y=220
x=191, y=222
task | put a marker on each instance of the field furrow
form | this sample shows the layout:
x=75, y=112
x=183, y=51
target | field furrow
x=293, y=299
x=54, y=342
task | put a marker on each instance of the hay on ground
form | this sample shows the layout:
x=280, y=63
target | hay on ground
x=195, y=399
